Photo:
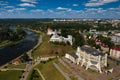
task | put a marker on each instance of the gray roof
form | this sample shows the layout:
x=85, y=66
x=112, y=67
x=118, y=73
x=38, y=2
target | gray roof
x=74, y=55
x=91, y=50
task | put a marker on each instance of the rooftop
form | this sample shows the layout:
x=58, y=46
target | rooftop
x=91, y=50
x=74, y=55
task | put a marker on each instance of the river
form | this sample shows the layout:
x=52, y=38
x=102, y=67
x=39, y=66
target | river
x=11, y=52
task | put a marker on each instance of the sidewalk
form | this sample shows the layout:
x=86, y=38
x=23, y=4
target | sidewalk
x=58, y=68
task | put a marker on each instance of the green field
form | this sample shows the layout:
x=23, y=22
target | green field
x=34, y=75
x=49, y=71
x=21, y=66
x=47, y=48
x=10, y=75
x=66, y=70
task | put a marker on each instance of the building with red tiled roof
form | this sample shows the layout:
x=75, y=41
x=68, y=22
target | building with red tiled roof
x=115, y=52
x=51, y=32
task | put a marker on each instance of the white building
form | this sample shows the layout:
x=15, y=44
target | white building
x=73, y=57
x=89, y=57
x=64, y=20
x=115, y=52
x=116, y=38
x=51, y=32
x=57, y=38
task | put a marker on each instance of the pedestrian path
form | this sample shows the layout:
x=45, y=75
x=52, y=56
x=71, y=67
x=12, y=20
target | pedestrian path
x=40, y=73
x=62, y=72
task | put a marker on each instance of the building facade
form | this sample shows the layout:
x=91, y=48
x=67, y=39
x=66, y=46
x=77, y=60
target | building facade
x=88, y=57
x=57, y=38
x=52, y=32
x=115, y=52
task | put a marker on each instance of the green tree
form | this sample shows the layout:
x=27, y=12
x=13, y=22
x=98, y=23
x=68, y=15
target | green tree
x=25, y=57
x=79, y=40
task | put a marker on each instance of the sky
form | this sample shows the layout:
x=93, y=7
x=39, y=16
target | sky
x=60, y=9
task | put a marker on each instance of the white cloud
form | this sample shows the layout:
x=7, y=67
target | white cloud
x=37, y=10
x=49, y=10
x=66, y=9
x=27, y=5
x=30, y=1
x=95, y=10
x=9, y=6
x=92, y=3
x=109, y=1
x=10, y=10
x=113, y=9
x=20, y=9
x=75, y=5
x=16, y=9
x=60, y=8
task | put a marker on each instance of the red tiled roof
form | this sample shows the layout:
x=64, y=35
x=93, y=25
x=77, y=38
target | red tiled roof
x=116, y=48
x=50, y=55
x=101, y=44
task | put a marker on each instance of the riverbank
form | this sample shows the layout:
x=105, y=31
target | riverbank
x=11, y=52
x=29, y=67
x=9, y=43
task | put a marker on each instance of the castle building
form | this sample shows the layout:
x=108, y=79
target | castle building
x=88, y=57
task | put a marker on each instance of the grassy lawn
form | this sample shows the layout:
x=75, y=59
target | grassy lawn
x=48, y=48
x=63, y=67
x=34, y=75
x=49, y=71
x=29, y=75
x=21, y=66
x=66, y=70
x=10, y=75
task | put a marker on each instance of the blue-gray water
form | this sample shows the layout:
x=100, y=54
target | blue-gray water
x=11, y=52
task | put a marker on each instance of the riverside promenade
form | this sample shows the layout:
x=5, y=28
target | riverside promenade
x=29, y=65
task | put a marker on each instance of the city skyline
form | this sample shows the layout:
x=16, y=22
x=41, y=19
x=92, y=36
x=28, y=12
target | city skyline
x=60, y=9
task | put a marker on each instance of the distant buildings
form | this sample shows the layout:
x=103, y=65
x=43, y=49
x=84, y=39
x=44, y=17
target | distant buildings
x=89, y=57
x=116, y=38
x=115, y=52
x=17, y=61
x=51, y=32
x=72, y=19
x=63, y=20
x=57, y=38
x=47, y=57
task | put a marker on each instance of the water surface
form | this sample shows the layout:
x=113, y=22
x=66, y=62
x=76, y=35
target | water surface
x=11, y=52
